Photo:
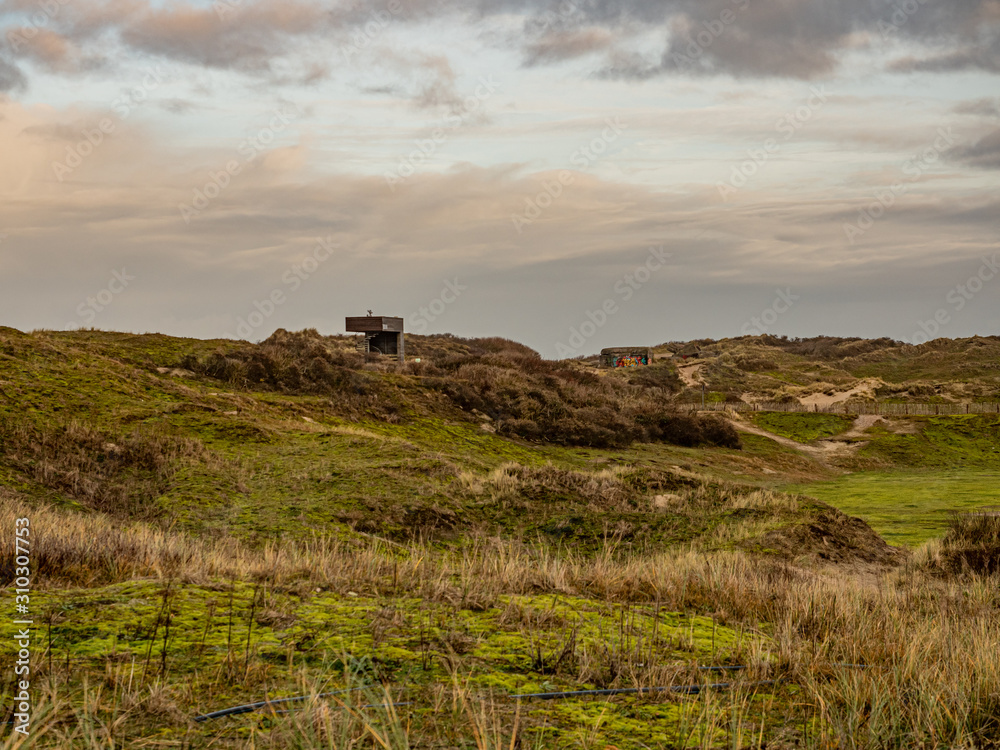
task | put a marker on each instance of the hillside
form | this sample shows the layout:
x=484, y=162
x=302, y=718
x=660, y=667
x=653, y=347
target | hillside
x=218, y=522
x=824, y=370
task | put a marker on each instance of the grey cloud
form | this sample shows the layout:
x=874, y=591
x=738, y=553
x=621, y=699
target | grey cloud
x=984, y=153
x=11, y=77
x=749, y=38
x=985, y=107
x=57, y=53
x=563, y=45
x=797, y=40
x=178, y=106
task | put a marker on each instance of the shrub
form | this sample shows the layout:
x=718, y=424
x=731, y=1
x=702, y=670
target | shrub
x=657, y=376
x=972, y=544
x=526, y=396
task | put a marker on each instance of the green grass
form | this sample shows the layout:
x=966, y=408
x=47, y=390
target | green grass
x=947, y=442
x=802, y=427
x=907, y=508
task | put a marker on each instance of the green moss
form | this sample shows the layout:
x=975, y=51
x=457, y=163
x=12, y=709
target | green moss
x=803, y=427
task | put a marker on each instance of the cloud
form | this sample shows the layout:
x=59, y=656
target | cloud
x=437, y=84
x=120, y=208
x=563, y=45
x=57, y=53
x=983, y=153
x=806, y=39
x=11, y=77
x=985, y=107
x=178, y=106
x=248, y=40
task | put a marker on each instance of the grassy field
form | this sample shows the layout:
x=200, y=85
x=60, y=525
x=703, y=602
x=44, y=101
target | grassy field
x=908, y=508
x=215, y=523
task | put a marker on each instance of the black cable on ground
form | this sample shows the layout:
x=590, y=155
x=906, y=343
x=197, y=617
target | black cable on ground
x=682, y=689
x=251, y=707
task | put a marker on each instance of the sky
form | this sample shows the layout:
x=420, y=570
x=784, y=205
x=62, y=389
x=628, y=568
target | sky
x=571, y=174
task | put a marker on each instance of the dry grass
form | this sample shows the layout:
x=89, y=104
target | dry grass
x=970, y=547
x=116, y=474
x=931, y=643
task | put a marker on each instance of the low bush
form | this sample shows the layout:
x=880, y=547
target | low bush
x=971, y=545
x=524, y=395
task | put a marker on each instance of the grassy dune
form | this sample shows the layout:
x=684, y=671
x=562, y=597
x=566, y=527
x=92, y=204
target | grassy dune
x=217, y=523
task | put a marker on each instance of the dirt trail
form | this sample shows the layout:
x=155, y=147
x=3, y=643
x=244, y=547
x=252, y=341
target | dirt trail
x=812, y=450
x=821, y=450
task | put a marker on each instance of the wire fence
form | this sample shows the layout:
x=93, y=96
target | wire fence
x=855, y=408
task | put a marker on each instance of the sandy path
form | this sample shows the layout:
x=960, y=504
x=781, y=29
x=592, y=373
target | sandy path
x=812, y=450
x=821, y=450
x=822, y=400
x=690, y=374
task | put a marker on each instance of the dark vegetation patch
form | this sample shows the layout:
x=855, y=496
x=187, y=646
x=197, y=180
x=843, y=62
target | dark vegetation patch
x=971, y=545
x=831, y=536
x=523, y=395
x=829, y=347
x=119, y=474
x=302, y=363
x=661, y=376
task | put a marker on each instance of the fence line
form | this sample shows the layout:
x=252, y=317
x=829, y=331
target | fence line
x=856, y=408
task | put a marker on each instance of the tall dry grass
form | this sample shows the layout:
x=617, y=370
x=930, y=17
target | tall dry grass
x=929, y=643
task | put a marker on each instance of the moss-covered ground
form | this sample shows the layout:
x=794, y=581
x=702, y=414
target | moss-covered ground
x=203, y=644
